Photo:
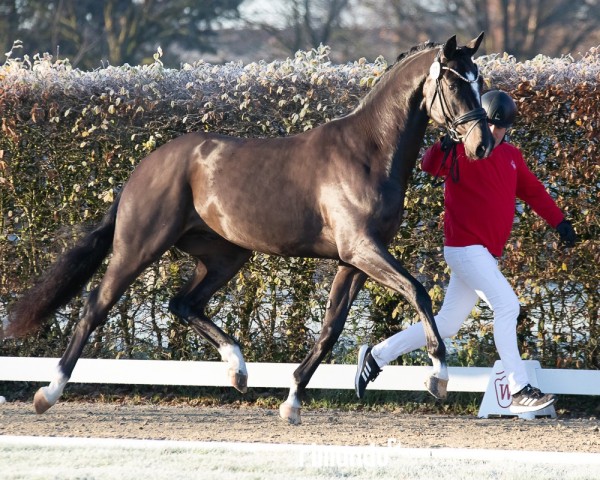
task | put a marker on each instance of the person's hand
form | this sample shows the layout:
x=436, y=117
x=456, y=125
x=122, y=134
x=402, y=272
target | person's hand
x=567, y=233
x=446, y=143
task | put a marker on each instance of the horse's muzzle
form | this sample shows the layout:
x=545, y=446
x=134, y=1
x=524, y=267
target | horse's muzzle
x=478, y=148
x=483, y=151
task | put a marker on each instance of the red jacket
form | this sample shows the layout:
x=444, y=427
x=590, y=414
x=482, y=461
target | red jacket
x=480, y=207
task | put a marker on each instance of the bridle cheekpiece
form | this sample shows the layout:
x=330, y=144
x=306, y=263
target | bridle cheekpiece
x=476, y=115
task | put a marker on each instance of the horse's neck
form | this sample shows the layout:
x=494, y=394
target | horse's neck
x=394, y=116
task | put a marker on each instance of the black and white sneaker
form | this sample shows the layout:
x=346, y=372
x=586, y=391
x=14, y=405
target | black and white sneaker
x=367, y=370
x=530, y=399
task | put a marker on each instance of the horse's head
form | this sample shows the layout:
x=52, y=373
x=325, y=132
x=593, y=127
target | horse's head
x=452, y=95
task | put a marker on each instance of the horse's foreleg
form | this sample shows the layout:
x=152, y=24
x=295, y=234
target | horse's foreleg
x=211, y=274
x=346, y=285
x=374, y=259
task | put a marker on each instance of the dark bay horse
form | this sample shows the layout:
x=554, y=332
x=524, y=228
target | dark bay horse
x=336, y=192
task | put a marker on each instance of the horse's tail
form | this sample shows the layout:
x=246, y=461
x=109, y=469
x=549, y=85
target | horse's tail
x=64, y=279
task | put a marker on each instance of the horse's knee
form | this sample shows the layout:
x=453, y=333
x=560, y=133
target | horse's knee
x=89, y=321
x=330, y=335
x=95, y=311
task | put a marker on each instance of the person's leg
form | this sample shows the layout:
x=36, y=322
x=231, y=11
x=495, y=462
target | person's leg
x=459, y=300
x=478, y=269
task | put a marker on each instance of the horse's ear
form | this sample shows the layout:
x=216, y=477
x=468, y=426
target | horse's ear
x=450, y=47
x=473, y=45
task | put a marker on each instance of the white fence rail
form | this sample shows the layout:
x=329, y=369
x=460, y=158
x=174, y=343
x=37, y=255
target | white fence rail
x=278, y=375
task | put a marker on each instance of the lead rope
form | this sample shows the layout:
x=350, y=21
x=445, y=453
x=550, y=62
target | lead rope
x=452, y=171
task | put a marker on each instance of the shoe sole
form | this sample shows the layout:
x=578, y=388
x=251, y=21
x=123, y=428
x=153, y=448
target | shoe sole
x=526, y=409
x=362, y=353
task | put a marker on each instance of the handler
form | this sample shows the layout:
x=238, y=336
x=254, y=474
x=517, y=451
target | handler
x=479, y=200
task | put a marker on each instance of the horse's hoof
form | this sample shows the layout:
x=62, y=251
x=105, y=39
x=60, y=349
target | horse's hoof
x=40, y=403
x=438, y=387
x=239, y=381
x=290, y=413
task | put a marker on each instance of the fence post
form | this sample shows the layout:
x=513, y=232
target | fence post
x=497, y=398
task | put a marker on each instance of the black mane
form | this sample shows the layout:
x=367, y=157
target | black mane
x=380, y=82
x=417, y=48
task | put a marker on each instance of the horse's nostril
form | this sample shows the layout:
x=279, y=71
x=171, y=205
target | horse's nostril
x=481, y=151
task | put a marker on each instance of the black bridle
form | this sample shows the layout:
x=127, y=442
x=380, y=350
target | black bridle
x=450, y=124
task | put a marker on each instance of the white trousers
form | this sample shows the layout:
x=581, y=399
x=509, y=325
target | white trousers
x=474, y=274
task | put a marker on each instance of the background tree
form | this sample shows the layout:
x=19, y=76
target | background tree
x=526, y=28
x=522, y=28
x=8, y=24
x=304, y=24
x=89, y=32
x=118, y=31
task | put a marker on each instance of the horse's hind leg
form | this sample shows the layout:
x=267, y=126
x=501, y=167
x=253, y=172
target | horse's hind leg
x=347, y=283
x=133, y=250
x=118, y=277
x=212, y=272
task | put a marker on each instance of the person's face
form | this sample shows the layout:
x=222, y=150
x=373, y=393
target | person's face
x=498, y=134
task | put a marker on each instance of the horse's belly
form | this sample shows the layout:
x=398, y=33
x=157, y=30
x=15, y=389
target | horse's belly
x=275, y=235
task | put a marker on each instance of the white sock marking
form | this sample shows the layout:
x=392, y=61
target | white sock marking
x=233, y=356
x=53, y=391
x=293, y=399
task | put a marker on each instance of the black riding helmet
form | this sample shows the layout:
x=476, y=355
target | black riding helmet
x=500, y=107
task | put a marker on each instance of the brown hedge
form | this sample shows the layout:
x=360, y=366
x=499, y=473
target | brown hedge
x=69, y=139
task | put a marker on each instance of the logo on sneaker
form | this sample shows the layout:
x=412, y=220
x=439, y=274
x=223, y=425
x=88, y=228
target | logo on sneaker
x=528, y=401
x=366, y=372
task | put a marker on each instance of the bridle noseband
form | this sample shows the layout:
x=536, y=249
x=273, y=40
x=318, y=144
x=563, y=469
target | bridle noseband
x=476, y=115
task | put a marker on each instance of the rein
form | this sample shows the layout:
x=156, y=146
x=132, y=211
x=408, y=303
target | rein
x=453, y=170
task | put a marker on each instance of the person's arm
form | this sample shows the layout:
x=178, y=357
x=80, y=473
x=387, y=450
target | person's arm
x=534, y=194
